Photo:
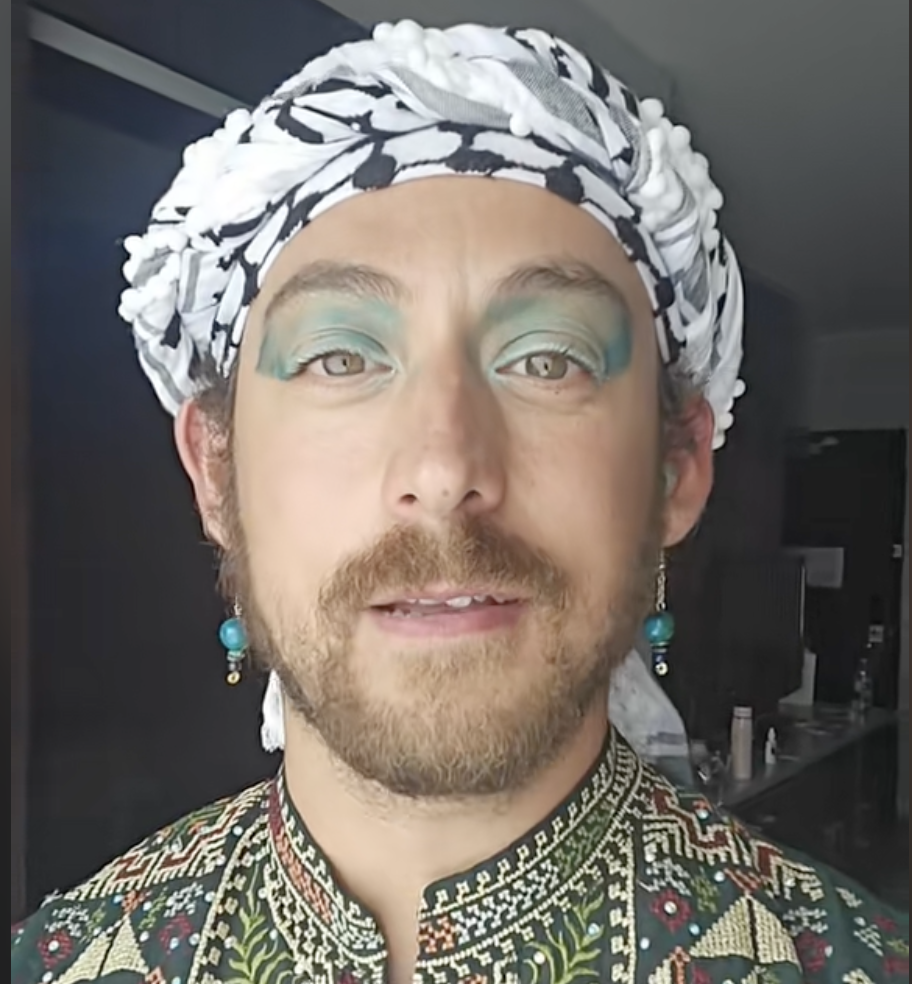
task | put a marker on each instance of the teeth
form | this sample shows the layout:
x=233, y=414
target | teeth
x=411, y=607
x=461, y=602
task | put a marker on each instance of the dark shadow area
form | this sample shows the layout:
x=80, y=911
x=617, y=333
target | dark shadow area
x=132, y=724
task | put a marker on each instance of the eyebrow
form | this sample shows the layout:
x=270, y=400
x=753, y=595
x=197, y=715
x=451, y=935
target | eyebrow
x=546, y=276
x=558, y=276
x=338, y=278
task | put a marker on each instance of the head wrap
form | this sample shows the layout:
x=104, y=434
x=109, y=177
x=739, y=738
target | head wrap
x=413, y=103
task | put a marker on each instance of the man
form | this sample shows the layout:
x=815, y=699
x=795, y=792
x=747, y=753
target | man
x=441, y=430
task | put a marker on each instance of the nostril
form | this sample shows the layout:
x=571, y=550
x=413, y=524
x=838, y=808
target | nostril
x=471, y=498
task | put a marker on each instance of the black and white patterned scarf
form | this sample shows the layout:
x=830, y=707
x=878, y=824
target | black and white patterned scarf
x=413, y=103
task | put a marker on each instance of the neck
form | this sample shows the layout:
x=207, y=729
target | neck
x=387, y=850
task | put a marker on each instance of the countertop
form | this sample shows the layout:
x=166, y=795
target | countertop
x=805, y=737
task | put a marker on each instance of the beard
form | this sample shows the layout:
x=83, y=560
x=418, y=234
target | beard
x=466, y=718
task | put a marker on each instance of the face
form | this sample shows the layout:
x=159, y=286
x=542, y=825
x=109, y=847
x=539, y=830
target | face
x=446, y=498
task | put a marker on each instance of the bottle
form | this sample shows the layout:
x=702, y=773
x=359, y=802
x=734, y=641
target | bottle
x=863, y=681
x=742, y=744
x=771, y=749
x=862, y=687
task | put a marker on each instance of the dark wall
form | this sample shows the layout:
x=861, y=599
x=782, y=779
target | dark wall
x=14, y=431
x=132, y=724
x=240, y=47
x=745, y=514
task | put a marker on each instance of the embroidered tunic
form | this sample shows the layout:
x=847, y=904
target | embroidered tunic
x=630, y=881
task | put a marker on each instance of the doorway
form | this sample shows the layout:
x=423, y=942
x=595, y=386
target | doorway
x=845, y=496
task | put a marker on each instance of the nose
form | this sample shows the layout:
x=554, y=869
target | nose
x=447, y=457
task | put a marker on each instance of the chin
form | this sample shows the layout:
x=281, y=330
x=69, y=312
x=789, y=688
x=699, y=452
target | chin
x=463, y=750
x=455, y=730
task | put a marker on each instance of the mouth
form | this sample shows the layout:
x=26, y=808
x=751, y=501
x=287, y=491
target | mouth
x=449, y=612
x=446, y=603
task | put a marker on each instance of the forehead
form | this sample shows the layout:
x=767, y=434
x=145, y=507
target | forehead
x=456, y=234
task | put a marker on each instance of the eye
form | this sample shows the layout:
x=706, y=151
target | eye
x=551, y=366
x=548, y=367
x=337, y=364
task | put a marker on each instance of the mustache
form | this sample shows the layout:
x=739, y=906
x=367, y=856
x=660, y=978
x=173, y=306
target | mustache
x=471, y=552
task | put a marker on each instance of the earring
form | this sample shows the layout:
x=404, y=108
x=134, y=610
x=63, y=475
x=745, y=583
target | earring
x=233, y=636
x=660, y=626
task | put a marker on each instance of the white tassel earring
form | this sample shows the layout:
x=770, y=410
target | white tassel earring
x=272, y=731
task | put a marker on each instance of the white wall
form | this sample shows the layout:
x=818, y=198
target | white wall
x=860, y=381
x=574, y=21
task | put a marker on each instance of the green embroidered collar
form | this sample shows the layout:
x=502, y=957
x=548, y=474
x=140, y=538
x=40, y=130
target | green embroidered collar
x=497, y=905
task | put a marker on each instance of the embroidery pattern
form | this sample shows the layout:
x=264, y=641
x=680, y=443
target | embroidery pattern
x=631, y=881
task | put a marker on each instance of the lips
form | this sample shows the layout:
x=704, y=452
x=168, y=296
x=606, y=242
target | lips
x=455, y=604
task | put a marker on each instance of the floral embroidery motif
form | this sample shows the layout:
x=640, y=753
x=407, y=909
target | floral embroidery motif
x=706, y=893
x=256, y=955
x=55, y=948
x=569, y=953
x=437, y=937
x=870, y=936
x=812, y=950
x=897, y=967
x=857, y=977
x=175, y=932
x=849, y=897
x=804, y=919
x=672, y=910
x=667, y=872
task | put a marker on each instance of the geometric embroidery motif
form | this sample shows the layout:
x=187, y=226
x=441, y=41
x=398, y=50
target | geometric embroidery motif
x=106, y=956
x=870, y=936
x=88, y=966
x=672, y=971
x=783, y=875
x=850, y=898
x=630, y=880
x=190, y=850
x=751, y=931
x=674, y=830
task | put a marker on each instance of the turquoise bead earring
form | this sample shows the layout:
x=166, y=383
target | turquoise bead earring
x=659, y=628
x=233, y=636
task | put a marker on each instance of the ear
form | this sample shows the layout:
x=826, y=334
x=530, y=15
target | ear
x=689, y=472
x=204, y=453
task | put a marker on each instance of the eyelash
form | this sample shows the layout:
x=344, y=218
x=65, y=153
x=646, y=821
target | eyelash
x=564, y=351
x=304, y=364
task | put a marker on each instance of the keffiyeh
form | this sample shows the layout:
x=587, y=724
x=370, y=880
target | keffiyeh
x=412, y=103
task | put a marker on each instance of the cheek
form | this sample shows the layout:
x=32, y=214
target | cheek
x=589, y=493
x=303, y=489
